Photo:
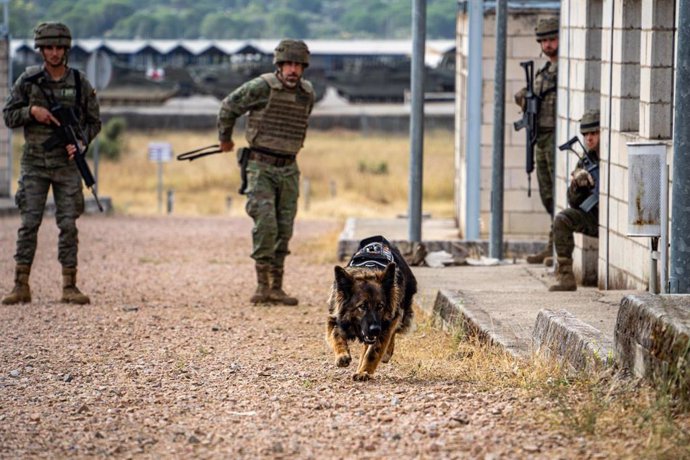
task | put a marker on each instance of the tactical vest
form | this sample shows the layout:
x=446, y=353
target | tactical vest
x=546, y=87
x=39, y=89
x=282, y=124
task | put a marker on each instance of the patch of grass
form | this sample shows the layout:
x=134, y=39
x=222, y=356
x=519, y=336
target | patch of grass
x=633, y=418
x=330, y=162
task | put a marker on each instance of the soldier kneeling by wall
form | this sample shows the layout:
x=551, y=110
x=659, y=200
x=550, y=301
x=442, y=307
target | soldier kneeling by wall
x=583, y=214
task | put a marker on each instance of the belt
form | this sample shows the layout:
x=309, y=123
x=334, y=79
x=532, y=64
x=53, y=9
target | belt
x=273, y=160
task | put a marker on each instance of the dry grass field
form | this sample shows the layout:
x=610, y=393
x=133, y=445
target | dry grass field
x=347, y=174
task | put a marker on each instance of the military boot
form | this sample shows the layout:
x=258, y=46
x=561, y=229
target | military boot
x=262, y=288
x=538, y=258
x=548, y=261
x=70, y=292
x=21, y=293
x=565, y=278
x=276, y=294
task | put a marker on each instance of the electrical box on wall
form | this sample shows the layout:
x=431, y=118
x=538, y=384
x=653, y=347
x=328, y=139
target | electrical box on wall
x=646, y=168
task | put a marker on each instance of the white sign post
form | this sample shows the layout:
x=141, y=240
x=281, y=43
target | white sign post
x=160, y=152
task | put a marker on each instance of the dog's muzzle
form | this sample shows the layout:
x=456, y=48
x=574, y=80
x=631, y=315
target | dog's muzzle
x=372, y=334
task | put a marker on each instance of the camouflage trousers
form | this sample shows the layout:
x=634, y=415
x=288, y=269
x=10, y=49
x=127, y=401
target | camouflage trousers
x=34, y=183
x=569, y=221
x=272, y=194
x=544, y=152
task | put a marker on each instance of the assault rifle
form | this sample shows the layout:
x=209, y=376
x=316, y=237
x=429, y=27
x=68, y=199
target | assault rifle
x=529, y=121
x=591, y=165
x=70, y=132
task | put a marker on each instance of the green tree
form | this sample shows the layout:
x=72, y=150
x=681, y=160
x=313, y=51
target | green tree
x=286, y=23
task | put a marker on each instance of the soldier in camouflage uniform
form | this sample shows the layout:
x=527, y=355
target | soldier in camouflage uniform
x=575, y=219
x=42, y=167
x=545, y=87
x=279, y=105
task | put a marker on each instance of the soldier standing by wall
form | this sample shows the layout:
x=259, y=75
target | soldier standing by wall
x=576, y=219
x=42, y=167
x=279, y=105
x=545, y=88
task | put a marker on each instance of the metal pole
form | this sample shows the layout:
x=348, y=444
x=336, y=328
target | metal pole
x=160, y=186
x=679, y=272
x=496, y=243
x=473, y=154
x=417, y=120
x=663, y=240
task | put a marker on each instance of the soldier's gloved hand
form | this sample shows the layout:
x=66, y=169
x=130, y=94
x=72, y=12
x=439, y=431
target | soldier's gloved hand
x=43, y=115
x=582, y=178
x=227, y=146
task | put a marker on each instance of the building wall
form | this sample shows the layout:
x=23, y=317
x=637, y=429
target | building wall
x=629, y=49
x=524, y=217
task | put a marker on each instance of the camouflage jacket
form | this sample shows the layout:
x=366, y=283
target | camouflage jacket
x=578, y=193
x=545, y=86
x=27, y=92
x=253, y=96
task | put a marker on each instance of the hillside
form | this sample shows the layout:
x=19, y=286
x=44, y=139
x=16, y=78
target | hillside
x=232, y=19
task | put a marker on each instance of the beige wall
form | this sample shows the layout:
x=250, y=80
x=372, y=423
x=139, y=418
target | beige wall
x=524, y=217
x=633, y=65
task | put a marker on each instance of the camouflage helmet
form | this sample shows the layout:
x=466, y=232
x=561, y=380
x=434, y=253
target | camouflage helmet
x=547, y=28
x=52, y=34
x=589, y=123
x=293, y=51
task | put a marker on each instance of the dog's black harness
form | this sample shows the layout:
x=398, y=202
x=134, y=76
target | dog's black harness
x=373, y=252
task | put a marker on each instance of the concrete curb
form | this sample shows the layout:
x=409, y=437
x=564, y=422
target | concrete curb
x=562, y=336
x=455, y=311
x=652, y=337
x=348, y=243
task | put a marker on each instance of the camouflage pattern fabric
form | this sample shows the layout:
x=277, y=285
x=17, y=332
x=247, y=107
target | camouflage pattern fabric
x=569, y=221
x=26, y=93
x=544, y=152
x=545, y=84
x=34, y=183
x=272, y=195
x=272, y=191
x=252, y=96
x=42, y=169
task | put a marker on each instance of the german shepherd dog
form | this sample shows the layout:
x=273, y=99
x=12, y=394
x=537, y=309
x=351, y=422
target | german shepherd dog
x=370, y=301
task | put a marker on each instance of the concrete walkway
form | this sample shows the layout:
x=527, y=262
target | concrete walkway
x=507, y=303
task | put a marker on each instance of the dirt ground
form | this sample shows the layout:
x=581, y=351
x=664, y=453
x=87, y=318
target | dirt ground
x=170, y=360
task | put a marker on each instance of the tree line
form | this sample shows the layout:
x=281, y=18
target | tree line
x=232, y=19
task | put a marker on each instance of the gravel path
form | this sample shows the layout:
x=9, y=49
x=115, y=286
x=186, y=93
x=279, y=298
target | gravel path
x=170, y=360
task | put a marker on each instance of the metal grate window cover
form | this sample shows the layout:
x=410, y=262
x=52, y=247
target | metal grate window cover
x=646, y=163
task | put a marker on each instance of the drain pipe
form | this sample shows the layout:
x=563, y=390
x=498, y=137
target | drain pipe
x=679, y=273
x=608, y=154
x=474, y=120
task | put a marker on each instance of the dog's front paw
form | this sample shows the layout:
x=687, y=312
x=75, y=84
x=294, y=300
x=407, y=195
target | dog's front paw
x=343, y=360
x=361, y=376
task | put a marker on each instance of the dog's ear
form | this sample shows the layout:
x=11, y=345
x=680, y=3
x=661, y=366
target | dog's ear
x=388, y=280
x=343, y=280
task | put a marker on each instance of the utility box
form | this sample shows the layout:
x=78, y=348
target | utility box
x=646, y=172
